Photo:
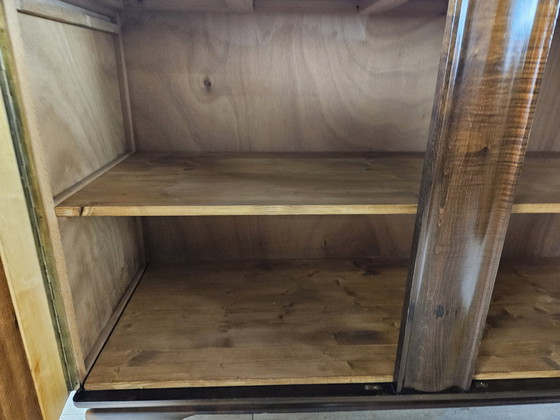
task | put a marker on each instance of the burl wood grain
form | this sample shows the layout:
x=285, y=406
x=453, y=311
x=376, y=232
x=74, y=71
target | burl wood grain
x=491, y=67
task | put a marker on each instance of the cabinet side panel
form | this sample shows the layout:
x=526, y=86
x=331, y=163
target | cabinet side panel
x=102, y=257
x=280, y=82
x=182, y=239
x=545, y=133
x=75, y=88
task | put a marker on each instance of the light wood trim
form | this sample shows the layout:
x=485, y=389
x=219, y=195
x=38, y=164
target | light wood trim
x=96, y=349
x=93, y=6
x=481, y=120
x=59, y=13
x=124, y=89
x=240, y=5
x=84, y=182
x=18, y=398
x=24, y=277
x=370, y=7
x=49, y=232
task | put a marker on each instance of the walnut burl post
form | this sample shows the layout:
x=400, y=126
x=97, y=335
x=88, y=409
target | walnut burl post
x=491, y=67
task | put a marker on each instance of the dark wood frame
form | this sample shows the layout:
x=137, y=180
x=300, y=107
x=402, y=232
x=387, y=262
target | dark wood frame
x=485, y=100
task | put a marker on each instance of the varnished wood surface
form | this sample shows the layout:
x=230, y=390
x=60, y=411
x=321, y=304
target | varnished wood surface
x=175, y=184
x=291, y=322
x=283, y=82
x=186, y=239
x=522, y=334
x=307, y=322
x=102, y=256
x=74, y=86
x=26, y=308
x=18, y=398
x=492, y=63
x=545, y=133
x=195, y=185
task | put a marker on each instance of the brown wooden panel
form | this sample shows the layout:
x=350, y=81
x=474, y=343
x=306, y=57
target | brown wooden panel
x=493, y=59
x=74, y=86
x=178, y=184
x=18, y=398
x=532, y=236
x=102, y=257
x=175, y=240
x=256, y=323
x=522, y=334
x=283, y=82
x=545, y=134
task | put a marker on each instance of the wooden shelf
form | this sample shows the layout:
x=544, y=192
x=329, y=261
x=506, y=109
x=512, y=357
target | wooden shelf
x=159, y=184
x=522, y=334
x=280, y=184
x=226, y=324
x=302, y=322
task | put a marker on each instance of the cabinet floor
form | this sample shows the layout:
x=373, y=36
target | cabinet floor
x=307, y=322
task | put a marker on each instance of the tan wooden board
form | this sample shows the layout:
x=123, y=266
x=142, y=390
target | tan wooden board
x=73, y=79
x=179, y=184
x=283, y=82
x=102, y=257
x=307, y=322
x=522, y=334
x=184, y=239
x=255, y=323
x=151, y=184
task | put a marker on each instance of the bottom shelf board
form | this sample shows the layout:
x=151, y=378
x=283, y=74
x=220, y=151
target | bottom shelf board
x=234, y=324
x=522, y=334
x=307, y=322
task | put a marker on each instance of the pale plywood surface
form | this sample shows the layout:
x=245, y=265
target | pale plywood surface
x=545, y=131
x=179, y=184
x=150, y=184
x=102, y=256
x=73, y=78
x=184, y=239
x=283, y=82
x=256, y=323
x=522, y=334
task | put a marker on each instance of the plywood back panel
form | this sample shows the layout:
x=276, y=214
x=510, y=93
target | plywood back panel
x=182, y=239
x=102, y=257
x=74, y=83
x=281, y=81
x=545, y=134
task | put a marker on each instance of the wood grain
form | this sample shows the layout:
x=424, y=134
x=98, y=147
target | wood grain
x=179, y=184
x=282, y=82
x=368, y=7
x=28, y=342
x=74, y=85
x=532, y=237
x=102, y=257
x=18, y=398
x=480, y=125
x=254, y=324
x=59, y=13
x=522, y=334
x=545, y=134
x=174, y=240
x=297, y=184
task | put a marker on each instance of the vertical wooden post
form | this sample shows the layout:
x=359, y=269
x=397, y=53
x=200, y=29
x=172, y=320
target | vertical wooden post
x=490, y=70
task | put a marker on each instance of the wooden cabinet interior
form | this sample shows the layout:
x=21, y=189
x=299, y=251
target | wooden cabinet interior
x=288, y=143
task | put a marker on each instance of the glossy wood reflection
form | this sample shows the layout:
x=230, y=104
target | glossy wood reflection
x=490, y=71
